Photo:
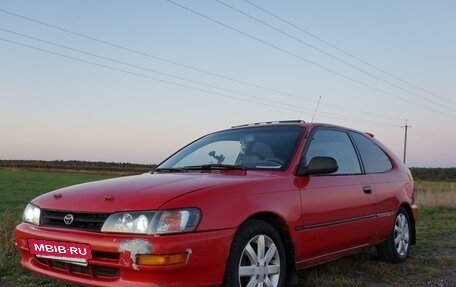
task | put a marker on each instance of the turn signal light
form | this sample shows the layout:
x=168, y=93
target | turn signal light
x=160, y=260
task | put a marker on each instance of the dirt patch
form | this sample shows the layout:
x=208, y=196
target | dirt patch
x=445, y=258
x=437, y=267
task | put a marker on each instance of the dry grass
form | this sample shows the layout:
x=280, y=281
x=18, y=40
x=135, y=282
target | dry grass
x=436, y=194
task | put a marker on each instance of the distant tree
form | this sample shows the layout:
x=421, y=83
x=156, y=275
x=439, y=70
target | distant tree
x=75, y=165
x=434, y=174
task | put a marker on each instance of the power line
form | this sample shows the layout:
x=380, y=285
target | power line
x=290, y=107
x=417, y=129
x=147, y=69
x=215, y=74
x=346, y=52
x=187, y=66
x=134, y=51
x=143, y=76
x=303, y=59
x=332, y=56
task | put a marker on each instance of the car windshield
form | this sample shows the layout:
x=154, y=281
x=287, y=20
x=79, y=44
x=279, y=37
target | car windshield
x=245, y=148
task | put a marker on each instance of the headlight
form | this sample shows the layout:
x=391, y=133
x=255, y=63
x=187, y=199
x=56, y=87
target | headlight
x=153, y=222
x=31, y=214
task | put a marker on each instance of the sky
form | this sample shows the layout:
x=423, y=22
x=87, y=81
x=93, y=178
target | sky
x=133, y=81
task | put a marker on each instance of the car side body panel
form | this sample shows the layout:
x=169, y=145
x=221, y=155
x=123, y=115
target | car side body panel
x=336, y=215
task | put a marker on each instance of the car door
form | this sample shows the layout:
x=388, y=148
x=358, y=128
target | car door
x=338, y=209
x=389, y=182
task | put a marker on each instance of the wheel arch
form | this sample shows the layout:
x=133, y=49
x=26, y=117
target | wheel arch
x=408, y=208
x=279, y=225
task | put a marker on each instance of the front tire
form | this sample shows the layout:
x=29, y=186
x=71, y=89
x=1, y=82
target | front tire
x=397, y=247
x=257, y=257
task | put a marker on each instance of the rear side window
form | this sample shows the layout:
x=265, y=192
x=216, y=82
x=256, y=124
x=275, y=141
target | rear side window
x=335, y=144
x=374, y=158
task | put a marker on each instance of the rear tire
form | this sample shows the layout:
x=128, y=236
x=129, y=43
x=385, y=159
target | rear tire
x=257, y=257
x=397, y=247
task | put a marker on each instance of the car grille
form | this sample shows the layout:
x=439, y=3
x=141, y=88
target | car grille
x=81, y=221
x=102, y=265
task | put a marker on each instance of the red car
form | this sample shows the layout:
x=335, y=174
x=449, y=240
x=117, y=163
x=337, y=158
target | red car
x=247, y=206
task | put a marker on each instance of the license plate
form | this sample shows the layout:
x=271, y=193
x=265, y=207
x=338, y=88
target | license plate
x=75, y=253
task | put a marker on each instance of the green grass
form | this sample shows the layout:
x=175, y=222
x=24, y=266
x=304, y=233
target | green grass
x=434, y=252
x=17, y=188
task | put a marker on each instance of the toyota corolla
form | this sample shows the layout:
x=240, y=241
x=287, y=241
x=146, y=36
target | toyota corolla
x=246, y=206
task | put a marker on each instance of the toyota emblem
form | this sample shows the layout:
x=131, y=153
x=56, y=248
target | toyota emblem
x=68, y=219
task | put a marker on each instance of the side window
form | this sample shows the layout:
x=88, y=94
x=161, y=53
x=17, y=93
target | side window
x=374, y=158
x=336, y=144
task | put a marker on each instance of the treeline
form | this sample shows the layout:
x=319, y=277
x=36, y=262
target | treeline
x=419, y=173
x=434, y=174
x=76, y=165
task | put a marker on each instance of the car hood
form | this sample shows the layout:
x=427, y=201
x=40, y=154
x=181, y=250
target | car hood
x=140, y=192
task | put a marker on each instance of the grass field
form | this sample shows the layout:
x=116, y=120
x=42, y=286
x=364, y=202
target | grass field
x=432, y=261
x=17, y=188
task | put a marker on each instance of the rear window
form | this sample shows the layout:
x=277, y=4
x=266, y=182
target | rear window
x=373, y=157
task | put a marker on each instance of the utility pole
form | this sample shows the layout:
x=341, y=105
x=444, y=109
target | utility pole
x=405, y=139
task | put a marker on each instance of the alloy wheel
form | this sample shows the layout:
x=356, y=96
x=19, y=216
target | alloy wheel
x=401, y=234
x=260, y=263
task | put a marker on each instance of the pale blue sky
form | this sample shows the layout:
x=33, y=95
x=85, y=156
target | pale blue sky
x=66, y=96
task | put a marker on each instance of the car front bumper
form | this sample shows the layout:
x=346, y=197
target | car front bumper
x=114, y=257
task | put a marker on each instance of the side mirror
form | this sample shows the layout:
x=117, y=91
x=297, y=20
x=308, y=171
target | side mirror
x=319, y=165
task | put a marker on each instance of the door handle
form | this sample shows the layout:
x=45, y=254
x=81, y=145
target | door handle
x=367, y=189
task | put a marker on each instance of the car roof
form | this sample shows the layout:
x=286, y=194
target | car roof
x=298, y=123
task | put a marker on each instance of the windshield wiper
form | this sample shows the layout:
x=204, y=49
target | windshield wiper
x=215, y=167
x=169, y=169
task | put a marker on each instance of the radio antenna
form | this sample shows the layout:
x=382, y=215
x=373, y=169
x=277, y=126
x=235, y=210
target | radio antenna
x=316, y=108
